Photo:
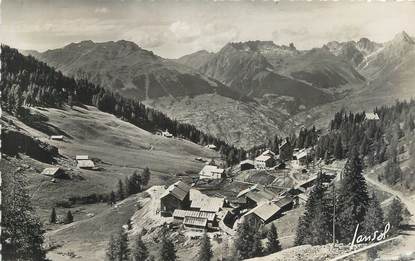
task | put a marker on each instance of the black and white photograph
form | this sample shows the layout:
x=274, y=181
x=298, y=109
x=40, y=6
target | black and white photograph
x=207, y=130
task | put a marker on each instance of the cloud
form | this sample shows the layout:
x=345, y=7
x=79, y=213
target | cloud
x=184, y=32
x=101, y=10
x=146, y=39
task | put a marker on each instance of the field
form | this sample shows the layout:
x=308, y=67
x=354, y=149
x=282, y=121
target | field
x=118, y=148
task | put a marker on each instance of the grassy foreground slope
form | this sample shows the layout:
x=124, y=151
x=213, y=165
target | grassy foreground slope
x=118, y=148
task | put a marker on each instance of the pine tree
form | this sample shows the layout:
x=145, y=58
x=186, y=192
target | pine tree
x=121, y=192
x=167, y=250
x=248, y=243
x=124, y=251
x=273, y=244
x=338, y=149
x=146, y=176
x=140, y=252
x=394, y=216
x=112, y=199
x=22, y=233
x=113, y=248
x=52, y=218
x=205, y=251
x=374, y=217
x=69, y=217
x=353, y=198
x=315, y=225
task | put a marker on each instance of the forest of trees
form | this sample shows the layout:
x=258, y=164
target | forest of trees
x=353, y=205
x=22, y=232
x=27, y=82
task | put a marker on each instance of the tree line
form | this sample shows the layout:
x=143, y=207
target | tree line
x=27, y=82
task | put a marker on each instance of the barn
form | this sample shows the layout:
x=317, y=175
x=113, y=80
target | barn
x=55, y=172
x=175, y=197
x=246, y=164
x=264, y=213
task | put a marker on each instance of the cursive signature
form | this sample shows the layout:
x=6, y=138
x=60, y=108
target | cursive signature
x=376, y=236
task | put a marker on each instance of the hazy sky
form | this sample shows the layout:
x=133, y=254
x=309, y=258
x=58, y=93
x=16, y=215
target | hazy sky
x=172, y=28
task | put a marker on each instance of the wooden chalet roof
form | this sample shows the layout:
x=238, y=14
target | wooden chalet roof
x=180, y=213
x=85, y=164
x=50, y=171
x=265, y=210
x=178, y=190
x=195, y=221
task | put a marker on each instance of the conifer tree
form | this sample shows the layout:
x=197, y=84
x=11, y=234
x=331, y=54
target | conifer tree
x=205, y=251
x=113, y=248
x=374, y=217
x=338, y=149
x=146, y=176
x=394, y=216
x=273, y=244
x=22, y=235
x=52, y=218
x=140, y=251
x=352, y=197
x=69, y=217
x=247, y=239
x=124, y=251
x=121, y=192
x=167, y=250
x=112, y=199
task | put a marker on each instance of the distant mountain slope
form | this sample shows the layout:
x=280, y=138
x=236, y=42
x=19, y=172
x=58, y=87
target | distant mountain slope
x=195, y=60
x=245, y=69
x=125, y=67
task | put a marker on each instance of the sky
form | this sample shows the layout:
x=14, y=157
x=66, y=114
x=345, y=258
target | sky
x=172, y=28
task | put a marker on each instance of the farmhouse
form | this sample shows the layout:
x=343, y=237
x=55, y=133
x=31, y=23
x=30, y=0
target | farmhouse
x=370, y=116
x=56, y=137
x=175, y=197
x=302, y=156
x=255, y=195
x=85, y=164
x=81, y=157
x=264, y=213
x=211, y=146
x=211, y=172
x=55, y=172
x=268, y=153
x=195, y=223
x=246, y=164
x=264, y=161
x=166, y=134
x=206, y=204
x=180, y=214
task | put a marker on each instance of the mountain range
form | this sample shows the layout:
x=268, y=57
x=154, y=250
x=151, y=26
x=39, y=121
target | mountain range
x=248, y=90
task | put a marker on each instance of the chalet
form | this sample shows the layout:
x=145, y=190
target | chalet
x=255, y=195
x=195, y=223
x=175, y=197
x=55, y=172
x=264, y=213
x=285, y=203
x=264, y=161
x=370, y=116
x=180, y=214
x=302, y=156
x=85, y=164
x=81, y=157
x=166, y=134
x=211, y=172
x=56, y=137
x=204, y=203
x=268, y=153
x=211, y=146
x=246, y=164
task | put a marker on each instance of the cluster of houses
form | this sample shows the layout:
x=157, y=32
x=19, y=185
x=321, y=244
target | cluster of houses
x=200, y=212
x=82, y=162
x=190, y=207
